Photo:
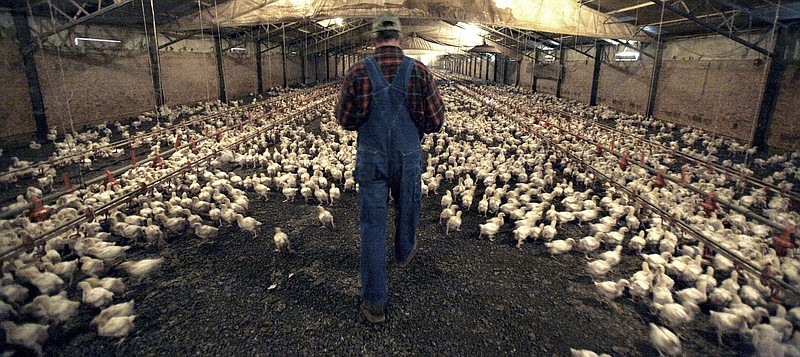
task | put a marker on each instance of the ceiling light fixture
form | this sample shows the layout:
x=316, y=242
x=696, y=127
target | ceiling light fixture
x=88, y=39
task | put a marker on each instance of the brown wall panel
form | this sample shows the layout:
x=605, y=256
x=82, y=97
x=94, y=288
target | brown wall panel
x=625, y=86
x=718, y=96
x=15, y=103
x=546, y=86
x=240, y=75
x=577, y=83
x=189, y=77
x=784, y=129
x=92, y=87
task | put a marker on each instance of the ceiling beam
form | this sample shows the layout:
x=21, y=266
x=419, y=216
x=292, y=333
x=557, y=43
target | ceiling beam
x=632, y=7
x=179, y=39
x=509, y=37
x=117, y=4
x=751, y=12
x=700, y=22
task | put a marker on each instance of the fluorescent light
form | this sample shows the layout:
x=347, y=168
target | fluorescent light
x=238, y=49
x=77, y=39
x=626, y=56
x=555, y=42
x=611, y=41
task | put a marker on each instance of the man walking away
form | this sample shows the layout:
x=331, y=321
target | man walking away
x=391, y=100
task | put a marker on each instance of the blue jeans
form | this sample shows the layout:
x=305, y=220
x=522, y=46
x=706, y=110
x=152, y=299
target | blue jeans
x=402, y=179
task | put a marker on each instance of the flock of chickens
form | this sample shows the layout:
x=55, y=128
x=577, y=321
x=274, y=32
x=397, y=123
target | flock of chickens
x=497, y=166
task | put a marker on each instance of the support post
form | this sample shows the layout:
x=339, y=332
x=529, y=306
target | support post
x=487, y=67
x=316, y=68
x=506, y=62
x=336, y=66
x=23, y=30
x=303, y=67
x=561, y=52
x=220, y=72
x=535, y=80
x=651, y=101
x=155, y=61
x=283, y=54
x=598, y=55
x=259, y=66
x=772, y=85
x=327, y=64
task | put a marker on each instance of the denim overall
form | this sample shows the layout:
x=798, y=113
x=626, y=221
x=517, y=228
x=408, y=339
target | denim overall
x=388, y=159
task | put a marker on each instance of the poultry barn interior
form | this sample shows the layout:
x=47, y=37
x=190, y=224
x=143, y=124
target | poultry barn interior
x=614, y=177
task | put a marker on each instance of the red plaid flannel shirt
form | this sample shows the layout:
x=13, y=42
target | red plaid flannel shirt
x=424, y=102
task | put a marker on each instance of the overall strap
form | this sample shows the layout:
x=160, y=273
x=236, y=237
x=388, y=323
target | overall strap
x=403, y=74
x=375, y=75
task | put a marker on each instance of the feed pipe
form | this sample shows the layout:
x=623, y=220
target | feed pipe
x=794, y=195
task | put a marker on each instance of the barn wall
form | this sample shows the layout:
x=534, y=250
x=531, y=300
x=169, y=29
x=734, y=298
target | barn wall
x=92, y=87
x=189, y=77
x=784, y=130
x=710, y=95
x=577, y=84
x=241, y=78
x=294, y=66
x=526, y=74
x=625, y=86
x=15, y=103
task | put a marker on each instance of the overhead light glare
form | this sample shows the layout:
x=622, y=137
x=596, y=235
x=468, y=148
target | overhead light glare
x=89, y=39
x=238, y=49
x=626, y=56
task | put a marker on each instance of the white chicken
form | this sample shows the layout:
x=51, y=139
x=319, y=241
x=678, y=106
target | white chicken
x=664, y=341
x=598, y=268
x=588, y=244
x=454, y=223
x=123, y=309
x=560, y=246
x=522, y=233
x=118, y=326
x=28, y=335
x=488, y=229
x=249, y=224
x=91, y=266
x=55, y=309
x=143, y=268
x=96, y=297
x=726, y=323
x=325, y=217
x=281, y=241
x=610, y=290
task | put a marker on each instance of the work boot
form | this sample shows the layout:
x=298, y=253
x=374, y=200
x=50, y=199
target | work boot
x=374, y=313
